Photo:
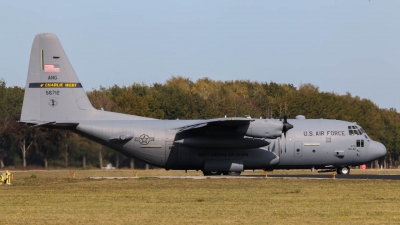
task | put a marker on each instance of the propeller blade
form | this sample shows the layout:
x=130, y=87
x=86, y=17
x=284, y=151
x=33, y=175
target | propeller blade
x=286, y=126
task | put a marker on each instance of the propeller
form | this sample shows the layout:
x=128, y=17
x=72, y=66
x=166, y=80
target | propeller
x=286, y=126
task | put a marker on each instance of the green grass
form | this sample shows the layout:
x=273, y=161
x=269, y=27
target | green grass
x=55, y=198
x=79, y=173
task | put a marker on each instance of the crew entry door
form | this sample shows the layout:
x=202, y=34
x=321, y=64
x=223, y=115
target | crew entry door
x=360, y=147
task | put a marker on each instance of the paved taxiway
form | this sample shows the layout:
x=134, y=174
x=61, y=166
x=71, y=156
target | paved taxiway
x=302, y=176
x=341, y=177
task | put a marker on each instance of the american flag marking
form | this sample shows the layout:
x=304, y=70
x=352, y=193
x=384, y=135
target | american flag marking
x=51, y=68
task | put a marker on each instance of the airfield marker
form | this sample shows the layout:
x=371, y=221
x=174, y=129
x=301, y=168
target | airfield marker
x=9, y=176
x=2, y=178
x=265, y=173
x=72, y=174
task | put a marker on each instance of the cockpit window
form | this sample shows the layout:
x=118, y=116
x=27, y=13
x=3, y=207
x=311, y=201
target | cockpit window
x=353, y=130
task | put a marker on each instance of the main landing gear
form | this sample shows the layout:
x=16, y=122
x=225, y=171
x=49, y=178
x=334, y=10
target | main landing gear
x=216, y=173
x=343, y=170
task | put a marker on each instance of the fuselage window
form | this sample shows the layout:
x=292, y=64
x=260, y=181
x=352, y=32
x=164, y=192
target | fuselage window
x=360, y=143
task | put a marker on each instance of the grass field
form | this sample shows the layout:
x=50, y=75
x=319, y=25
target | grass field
x=55, y=198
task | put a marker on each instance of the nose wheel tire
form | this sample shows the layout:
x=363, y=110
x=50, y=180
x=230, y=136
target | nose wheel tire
x=343, y=170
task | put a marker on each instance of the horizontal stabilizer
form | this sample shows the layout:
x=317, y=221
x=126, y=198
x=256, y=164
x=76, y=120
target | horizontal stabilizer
x=49, y=124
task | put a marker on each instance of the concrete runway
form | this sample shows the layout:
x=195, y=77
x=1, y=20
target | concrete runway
x=303, y=176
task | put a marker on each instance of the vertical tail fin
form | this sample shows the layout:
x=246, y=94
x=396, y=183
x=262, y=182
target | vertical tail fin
x=53, y=91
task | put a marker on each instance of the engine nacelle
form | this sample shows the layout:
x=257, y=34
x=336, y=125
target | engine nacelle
x=270, y=129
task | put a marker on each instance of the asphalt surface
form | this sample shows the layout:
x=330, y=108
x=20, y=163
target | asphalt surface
x=350, y=176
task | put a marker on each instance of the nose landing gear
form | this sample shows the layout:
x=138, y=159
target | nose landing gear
x=343, y=170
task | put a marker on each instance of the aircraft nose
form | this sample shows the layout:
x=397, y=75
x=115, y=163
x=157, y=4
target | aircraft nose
x=376, y=150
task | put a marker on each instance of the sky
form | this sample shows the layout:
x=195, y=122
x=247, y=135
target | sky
x=339, y=46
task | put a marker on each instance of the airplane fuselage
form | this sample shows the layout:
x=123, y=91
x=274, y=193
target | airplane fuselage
x=312, y=143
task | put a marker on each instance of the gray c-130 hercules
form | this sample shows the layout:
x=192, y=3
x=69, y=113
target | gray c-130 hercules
x=54, y=98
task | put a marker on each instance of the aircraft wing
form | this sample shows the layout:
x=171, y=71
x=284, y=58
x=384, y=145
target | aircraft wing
x=223, y=122
x=236, y=126
x=229, y=133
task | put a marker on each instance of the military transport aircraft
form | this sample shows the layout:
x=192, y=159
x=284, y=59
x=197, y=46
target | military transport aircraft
x=55, y=98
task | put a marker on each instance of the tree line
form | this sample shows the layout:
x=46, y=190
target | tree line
x=182, y=98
